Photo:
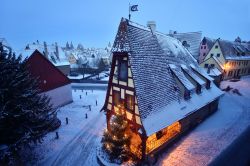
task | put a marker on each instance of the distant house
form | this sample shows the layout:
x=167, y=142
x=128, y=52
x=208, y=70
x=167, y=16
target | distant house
x=159, y=84
x=53, y=53
x=52, y=82
x=231, y=58
x=205, y=46
x=190, y=40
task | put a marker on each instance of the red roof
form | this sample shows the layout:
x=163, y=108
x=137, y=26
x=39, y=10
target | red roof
x=48, y=75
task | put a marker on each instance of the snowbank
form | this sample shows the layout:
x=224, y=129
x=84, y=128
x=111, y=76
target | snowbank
x=210, y=138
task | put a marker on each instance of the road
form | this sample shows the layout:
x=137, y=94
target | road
x=89, y=86
x=81, y=150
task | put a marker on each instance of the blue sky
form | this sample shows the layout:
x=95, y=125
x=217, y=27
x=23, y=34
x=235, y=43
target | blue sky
x=94, y=22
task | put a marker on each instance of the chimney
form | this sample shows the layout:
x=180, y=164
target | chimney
x=152, y=25
x=45, y=50
x=57, y=51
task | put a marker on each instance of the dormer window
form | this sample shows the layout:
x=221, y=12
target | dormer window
x=198, y=89
x=216, y=46
x=208, y=84
x=187, y=94
x=123, y=70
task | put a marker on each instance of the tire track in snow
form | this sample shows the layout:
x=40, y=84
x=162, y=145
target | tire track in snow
x=83, y=145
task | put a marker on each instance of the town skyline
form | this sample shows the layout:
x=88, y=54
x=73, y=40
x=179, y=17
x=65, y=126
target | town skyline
x=94, y=23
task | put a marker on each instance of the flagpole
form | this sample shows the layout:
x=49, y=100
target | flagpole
x=129, y=15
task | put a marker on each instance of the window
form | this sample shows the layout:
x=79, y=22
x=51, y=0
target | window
x=218, y=55
x=204, y=54
x=206, y=65
x=216, y=46
x=123, y=70
x=187, y=95
x=230, y=73
x=205, y=47
x=212, y=65
x=159, y=134
x=198, y=89
x=117, y=98
x=201, y=47
x=130, y=102
x=211, y=55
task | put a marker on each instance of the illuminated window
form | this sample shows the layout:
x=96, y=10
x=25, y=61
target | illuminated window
x=130, y=102
x=116, y=98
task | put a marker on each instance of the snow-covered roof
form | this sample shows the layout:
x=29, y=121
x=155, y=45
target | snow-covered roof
x=235, y=50
x=57, y=60
x=193, y=75
x=180, y=75
x=178, y=110
x=192, y=39
x=214, y=72
x=154, y=57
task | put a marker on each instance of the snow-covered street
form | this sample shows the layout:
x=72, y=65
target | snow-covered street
x=77, y=139
x=208, y=140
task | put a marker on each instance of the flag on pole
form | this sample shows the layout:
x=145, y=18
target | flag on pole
x=133, y=8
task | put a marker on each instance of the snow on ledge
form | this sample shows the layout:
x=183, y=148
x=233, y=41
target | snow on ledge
x=178, y=110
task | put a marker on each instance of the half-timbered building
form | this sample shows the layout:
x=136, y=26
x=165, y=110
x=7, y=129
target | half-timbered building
x=159, y=84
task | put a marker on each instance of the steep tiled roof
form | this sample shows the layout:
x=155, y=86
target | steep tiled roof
x=235, y=50
x=193, y=40
x=153, y=57
x=210, y=42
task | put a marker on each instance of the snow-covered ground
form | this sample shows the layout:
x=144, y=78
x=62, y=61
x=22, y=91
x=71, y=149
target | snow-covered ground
x=77, y=140
x=208, y=140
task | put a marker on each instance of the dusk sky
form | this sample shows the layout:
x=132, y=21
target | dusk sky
x=94, y=22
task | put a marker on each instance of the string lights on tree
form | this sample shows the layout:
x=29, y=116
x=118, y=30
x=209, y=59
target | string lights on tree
x=115, y=141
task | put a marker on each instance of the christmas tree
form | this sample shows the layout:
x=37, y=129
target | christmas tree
x=25, y=115
x=115, y=141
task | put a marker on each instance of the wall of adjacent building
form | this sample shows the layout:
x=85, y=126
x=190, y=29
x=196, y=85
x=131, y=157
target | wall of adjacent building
x=234, y=67
x=203, y=52
x=216, y=51
x=65, y=69
x=59, y=96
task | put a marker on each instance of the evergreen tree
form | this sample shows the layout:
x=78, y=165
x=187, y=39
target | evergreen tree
x=116, y=141
x=25, y=115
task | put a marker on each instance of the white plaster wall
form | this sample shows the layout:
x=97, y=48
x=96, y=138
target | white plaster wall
x=60, y=96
